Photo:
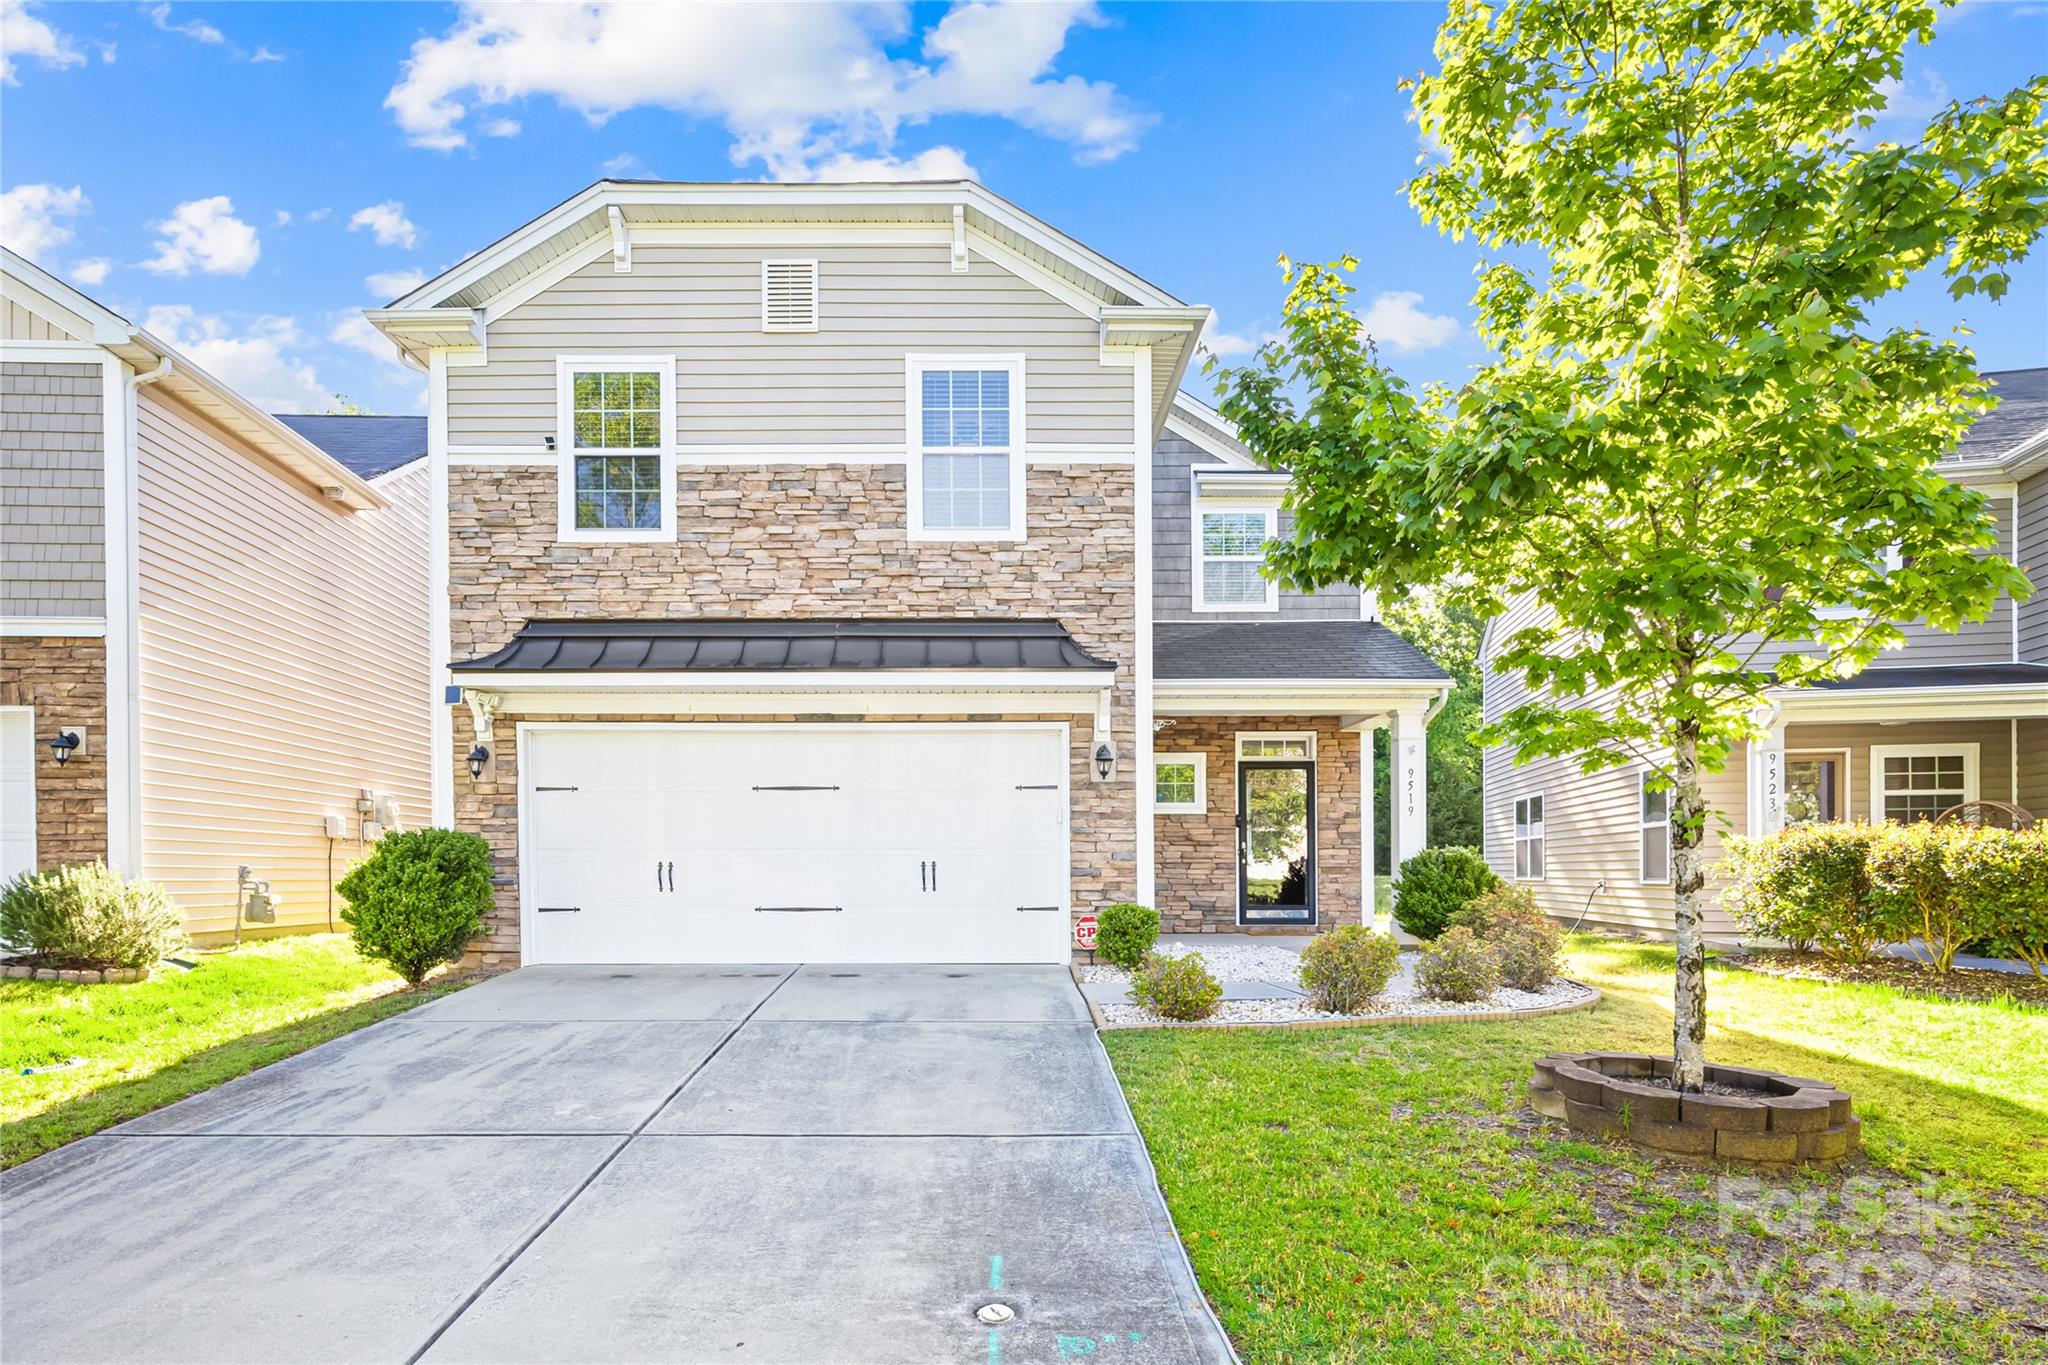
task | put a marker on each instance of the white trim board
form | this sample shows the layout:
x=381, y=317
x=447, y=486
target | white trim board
x=53, y=627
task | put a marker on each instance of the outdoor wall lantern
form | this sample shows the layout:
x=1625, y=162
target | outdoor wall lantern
x=63, y=744
x=477, y=758
x=1105, y=761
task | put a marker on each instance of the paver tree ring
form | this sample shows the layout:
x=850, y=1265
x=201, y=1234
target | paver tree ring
x=1752, y=1117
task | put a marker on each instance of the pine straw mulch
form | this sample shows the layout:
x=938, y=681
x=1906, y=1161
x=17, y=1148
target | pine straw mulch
x=1961, y=983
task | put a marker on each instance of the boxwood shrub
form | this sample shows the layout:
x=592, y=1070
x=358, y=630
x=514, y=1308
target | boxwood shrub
x=1437, y=883
x=1457, y=966
x=1124, y=933
x=1176, y=987
x=1344, y=969
x=418, y=899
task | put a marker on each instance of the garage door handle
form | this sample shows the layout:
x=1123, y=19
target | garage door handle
x=1034, y=909
x=558, y=789
x=798, y=909
x=1038, y=786
x=558, y=909
x=920, y=876
x=796, y=788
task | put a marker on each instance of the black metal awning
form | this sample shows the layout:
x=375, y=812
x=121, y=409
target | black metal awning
x=700, y=646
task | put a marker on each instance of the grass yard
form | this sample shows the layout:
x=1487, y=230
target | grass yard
x=148, y=1044
x=1384, y=1193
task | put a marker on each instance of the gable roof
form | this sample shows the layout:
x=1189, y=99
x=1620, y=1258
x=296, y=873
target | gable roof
x=453, y=311
x=164, y=365
x=371, y=446
x=2020, y=420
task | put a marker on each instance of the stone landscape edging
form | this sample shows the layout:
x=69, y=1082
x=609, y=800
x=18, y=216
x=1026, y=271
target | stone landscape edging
x=1103, y=1025
x=1777, y=1120
x=76, y=976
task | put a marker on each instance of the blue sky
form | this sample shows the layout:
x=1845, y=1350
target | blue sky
x=244, y=177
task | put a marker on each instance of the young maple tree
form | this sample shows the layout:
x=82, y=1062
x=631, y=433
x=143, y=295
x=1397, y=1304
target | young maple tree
x=1691, y=446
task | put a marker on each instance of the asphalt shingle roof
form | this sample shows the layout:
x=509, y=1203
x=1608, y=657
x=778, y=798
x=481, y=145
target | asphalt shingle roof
x=368, y=445
x=1282, y=650
x=1941, y=675
x=2022, y=411
x=672, y=646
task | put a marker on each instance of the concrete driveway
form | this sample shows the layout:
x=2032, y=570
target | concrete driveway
x=690, y=1164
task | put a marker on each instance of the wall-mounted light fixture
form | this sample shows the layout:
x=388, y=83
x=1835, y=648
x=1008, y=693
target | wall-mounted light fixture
x=1105, y=761
x=477, y=758
x=64, y=744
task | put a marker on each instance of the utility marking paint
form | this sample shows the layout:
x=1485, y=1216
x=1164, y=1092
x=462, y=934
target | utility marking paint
x=995, y=1272
x=995, y=1347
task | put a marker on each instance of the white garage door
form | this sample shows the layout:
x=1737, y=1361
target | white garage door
x=17, y=791
x=733, y=843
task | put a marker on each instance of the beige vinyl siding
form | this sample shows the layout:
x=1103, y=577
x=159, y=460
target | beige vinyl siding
x=2030, y=738
x=20, y=322
x=1993, y=738
x=842, y=384
x=283, y=659
x=2031, y=536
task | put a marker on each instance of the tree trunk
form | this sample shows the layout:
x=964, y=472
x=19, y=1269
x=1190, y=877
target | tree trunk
x=1688, y=876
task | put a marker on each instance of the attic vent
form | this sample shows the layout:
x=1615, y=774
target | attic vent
x=789, y=296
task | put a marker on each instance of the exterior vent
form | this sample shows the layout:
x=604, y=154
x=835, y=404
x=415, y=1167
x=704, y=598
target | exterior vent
x=789, y=296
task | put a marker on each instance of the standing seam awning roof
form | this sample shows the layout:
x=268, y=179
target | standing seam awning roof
x=682, y=646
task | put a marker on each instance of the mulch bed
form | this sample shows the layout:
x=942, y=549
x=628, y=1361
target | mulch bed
x=1963, y=983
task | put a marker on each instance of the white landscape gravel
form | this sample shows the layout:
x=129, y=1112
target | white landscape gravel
x=1278, y=966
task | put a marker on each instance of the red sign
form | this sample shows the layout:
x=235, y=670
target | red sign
x=1084, y=932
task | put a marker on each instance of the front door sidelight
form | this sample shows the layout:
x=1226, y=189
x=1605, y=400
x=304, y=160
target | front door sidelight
x=1276, y=843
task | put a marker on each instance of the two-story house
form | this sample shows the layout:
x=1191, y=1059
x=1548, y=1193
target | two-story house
x=831, y=573
x=212, y=619
x=1949, y=718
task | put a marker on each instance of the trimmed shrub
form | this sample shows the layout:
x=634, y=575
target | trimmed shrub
x=1914, y=892
x=1124, y=933
x=1437, y=883
x=1528, y=951
x=1457, y=966
x=418, y=899
x=2007, y=875
x=1176, y=987
x=91, y=915
x=1492, y=910
x=1809, y=886
x=1345, y=968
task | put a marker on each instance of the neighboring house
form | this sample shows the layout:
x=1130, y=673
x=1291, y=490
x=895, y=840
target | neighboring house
x=226, y=608
x=1951, y=717
x=812, y=570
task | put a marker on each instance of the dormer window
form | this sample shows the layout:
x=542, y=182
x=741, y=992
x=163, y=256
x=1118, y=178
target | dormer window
x=789, y=296
x=616, y=419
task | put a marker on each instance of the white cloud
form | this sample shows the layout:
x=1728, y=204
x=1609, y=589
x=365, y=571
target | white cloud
x=501, y=127
x=623, y=164
x=264, y=54
x=24, y=35
x=198, y=29
x=391, y=284
x=1396, y=320
x=354, y=331
x=798, y=86
x=387, y=221
x=317, y=214
x=933, y=163
x=256, y=364
x=29, y=214
x=282, y=218
x=204, y=234
x=1224, y=345
x=1908, y=104
x=92, y=270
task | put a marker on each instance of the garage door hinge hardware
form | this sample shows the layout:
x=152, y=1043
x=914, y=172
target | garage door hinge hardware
x=799, y=909
x=559, y=909
x=557, y=789
x=1038, y=786
x=797, y=788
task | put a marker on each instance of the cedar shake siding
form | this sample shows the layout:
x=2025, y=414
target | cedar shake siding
x=52, y=467
x=803, y=541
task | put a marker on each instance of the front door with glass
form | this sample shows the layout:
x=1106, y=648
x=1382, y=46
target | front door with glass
x=1276, y=843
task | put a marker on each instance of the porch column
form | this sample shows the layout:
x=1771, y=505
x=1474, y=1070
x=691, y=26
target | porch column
x=1408, y=814
x=1368, y=906
x=1766, y=806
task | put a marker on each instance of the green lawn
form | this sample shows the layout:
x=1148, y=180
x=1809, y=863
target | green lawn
x=148, y=1044
x=1383, y=1192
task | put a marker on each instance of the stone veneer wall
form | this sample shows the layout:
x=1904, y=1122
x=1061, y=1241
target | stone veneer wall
x=1197, y=854
x=65, y=680
x=797, y=542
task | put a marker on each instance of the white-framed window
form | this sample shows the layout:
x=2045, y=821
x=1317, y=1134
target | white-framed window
x=966, y=446
x=1230, y=546
x=1653, y=818
x=1276, y=744
x=1180, y=784
x=1529, y=838
x=1911, y=782
x=615, y=426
